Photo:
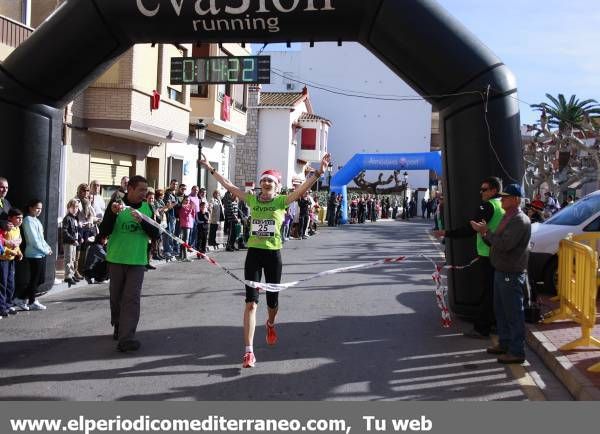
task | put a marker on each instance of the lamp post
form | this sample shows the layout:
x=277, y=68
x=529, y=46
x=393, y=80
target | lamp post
x=200, y=134
x=404, y=197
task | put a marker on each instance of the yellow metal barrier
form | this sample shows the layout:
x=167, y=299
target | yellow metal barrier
x=577, y=290
x=592, y=240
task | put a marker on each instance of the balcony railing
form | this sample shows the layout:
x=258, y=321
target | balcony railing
x=13, y=33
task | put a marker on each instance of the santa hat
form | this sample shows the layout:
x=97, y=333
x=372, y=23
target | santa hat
x=273, y=175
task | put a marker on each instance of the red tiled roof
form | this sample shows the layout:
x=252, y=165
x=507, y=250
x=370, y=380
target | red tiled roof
x=312, y=117
x=281, y=99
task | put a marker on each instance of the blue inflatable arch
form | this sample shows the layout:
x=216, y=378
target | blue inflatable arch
x=360, y=162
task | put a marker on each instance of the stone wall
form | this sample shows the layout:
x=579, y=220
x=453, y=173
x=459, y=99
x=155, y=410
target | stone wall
x=246, y=147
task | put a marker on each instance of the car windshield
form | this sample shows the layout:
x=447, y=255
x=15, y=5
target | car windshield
x=577, y=213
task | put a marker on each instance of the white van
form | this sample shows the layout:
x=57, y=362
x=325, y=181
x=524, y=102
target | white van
x=583, y=216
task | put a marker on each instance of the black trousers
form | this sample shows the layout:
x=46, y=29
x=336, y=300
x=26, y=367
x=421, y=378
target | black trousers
x=37, y=272
x=485, y=316
x=258, y=260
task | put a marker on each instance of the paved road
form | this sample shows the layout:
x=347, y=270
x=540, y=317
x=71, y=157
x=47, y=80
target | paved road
x=365, y=335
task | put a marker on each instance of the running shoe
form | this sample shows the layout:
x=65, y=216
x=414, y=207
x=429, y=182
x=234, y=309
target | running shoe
x=36, y=305
x=271, y=334
x=249, y=360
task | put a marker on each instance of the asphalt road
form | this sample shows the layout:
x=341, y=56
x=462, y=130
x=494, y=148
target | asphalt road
x=373, y=334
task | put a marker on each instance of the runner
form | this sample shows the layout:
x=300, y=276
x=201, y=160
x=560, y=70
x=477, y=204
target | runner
x=264, y=244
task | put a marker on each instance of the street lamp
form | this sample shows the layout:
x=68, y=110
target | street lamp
x=404, y=198
x=200, y=134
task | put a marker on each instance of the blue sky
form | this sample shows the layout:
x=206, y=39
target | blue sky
x=552, y=46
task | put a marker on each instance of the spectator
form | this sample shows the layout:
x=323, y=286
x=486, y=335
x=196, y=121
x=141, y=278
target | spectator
x=71, y=237
x=120, y=193
x=230, y=206
x=86, y=225
x=12, y=252
x=187, y=215
x=171, y=247
x=5, y=205
x=36, y=251
x=98, y=203
x=202, y=223
x=216, y=217
x=96, y=269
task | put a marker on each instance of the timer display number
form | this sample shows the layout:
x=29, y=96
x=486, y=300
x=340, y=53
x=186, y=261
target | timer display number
x=218, y=70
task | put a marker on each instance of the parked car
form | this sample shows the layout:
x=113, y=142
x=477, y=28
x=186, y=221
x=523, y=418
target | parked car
x=581, y=217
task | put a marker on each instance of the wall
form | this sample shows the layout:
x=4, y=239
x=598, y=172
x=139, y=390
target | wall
x=274, y=138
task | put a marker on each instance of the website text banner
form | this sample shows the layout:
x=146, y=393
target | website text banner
x=290, y=417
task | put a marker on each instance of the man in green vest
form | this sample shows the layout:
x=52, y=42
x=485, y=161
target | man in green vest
x=127, y=257
x=491, y=212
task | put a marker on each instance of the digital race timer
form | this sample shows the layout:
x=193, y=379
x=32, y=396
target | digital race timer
x=221, y=70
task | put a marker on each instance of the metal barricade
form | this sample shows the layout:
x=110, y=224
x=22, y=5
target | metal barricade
x=577, y=290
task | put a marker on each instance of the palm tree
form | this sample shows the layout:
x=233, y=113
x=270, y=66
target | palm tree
x=567, y=115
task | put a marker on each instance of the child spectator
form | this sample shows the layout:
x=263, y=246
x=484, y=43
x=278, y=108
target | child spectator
x=12, y=241
x=186, y=214
x=95, y=261
x=71, y=237
x=202, y=223
x=36, y=251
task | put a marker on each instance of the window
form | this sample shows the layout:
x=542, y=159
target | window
x=577, y=213
x=175, y=94
x=309, y=139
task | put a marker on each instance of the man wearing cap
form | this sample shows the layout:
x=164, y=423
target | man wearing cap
x=490, y=210
x=509, y=254
x=264, y=245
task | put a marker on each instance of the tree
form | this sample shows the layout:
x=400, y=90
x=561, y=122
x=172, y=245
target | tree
x=567, y=154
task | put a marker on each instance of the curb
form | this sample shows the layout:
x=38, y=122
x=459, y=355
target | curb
x=576, y=383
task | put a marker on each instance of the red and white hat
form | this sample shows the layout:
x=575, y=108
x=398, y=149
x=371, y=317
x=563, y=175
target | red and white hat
x=273, y=175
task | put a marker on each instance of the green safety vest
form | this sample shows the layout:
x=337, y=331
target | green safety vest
x=482, y=248
x=128, y=242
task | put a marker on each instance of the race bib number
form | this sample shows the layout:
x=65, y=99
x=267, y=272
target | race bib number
x=263, y=228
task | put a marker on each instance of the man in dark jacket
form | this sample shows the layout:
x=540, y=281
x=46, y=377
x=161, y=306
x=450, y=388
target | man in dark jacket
x=509, y=255
x=230, y=205
x=5, y=205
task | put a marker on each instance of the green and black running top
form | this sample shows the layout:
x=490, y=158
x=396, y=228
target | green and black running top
x=127, y=238
x=266, y=221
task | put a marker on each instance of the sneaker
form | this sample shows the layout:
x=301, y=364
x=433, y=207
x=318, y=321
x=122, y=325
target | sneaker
x=21, y=304
x=249, y=360
x=4, y=313
x=129, y=345
x=509, y=358
x=36, y=305
x=271, y=334
x=496, y=349
x=12, y=310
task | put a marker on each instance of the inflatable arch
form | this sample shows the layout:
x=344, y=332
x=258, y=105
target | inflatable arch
x=417, y=39
x=413, y=161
